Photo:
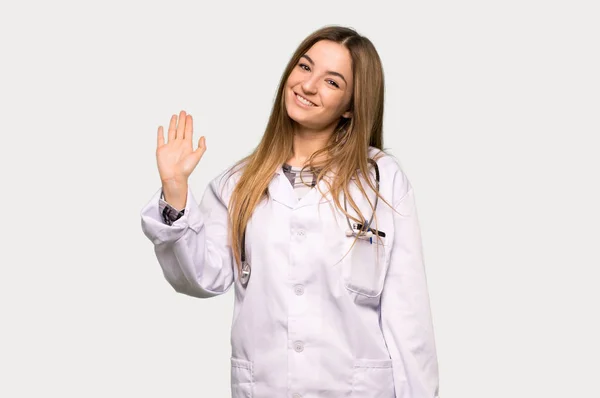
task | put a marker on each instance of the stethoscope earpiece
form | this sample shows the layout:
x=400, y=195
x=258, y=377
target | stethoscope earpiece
x=360, y=234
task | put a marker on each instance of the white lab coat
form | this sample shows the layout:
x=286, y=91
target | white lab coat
x=309, y=325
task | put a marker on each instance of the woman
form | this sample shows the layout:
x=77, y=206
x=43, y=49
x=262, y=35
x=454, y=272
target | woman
x=330, y=305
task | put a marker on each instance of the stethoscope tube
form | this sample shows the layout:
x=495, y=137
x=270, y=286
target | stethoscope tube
x=246, y=269
x=364, y=229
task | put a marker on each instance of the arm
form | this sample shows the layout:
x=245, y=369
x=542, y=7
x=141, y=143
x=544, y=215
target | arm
x=405, y=308
x=193, y=252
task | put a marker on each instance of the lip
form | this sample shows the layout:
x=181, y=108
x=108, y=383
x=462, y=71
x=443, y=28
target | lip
x=300, y=103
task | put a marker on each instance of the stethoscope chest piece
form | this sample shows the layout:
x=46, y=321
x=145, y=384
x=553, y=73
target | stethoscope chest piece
x=246, y=268
x=245, y=276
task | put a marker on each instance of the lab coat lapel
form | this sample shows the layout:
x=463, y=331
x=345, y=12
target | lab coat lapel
x=282, y=191
x=318, y=194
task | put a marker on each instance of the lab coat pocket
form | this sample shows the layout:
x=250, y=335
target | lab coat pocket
x=373, y=378
x=242, y=378
x=365, y=266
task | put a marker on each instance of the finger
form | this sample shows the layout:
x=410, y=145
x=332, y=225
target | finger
x=172, y=131
x=180, y=125
x=160, y=137
x=189, y=129
x=201, y=147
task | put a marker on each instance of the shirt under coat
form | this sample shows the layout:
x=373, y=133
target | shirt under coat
x=313, y=321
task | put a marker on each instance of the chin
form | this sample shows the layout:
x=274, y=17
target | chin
x=295, y=114
x=298, y=120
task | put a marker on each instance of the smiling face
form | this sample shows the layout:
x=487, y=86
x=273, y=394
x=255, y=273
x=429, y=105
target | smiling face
x=319, y=88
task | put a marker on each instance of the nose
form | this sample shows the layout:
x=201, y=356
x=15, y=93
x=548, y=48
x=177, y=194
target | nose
x=309, y=85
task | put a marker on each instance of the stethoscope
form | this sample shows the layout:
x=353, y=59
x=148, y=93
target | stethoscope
x=360, y=230
x=245, y=276
x=363, y=230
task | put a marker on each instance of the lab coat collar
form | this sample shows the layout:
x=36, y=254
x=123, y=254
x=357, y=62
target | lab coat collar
x=282, y=191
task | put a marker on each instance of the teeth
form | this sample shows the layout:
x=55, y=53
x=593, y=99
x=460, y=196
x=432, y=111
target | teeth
x=304, y=100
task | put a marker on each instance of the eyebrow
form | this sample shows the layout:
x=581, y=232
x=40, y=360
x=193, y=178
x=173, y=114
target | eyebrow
x=329, y=72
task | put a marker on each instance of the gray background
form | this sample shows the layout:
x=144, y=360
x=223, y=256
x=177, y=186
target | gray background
x=491, y=107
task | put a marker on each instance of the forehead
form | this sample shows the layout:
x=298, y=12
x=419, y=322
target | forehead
x=332, y=56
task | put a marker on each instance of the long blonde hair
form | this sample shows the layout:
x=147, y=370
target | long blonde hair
x=346, y=150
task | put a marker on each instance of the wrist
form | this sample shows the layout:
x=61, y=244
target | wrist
x=175, y=193
x=174, y=181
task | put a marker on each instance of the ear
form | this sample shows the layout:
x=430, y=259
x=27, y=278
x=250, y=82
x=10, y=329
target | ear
x=347, y=115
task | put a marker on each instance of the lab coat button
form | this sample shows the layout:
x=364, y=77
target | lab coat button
x=301, y=232
x=299, y=290
x=299, y=346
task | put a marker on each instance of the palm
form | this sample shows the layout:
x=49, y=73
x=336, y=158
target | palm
x=176, y=158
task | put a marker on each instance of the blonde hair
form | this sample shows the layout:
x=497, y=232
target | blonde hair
x=346, y=151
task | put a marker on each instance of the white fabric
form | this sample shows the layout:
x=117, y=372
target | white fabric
x=311, y=322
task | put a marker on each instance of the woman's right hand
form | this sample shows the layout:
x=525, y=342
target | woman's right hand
x=177, y=158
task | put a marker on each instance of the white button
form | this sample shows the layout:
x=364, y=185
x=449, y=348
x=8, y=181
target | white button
x=296, y=395
x=301, y=232
x=298, y=346
x=299, y=290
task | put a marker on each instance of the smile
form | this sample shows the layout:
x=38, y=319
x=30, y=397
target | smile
x=303, y=101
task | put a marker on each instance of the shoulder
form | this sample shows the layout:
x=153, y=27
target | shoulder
x=224, y=183
x=392, y=175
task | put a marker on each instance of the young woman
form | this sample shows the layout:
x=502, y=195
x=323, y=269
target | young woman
x=317, y=231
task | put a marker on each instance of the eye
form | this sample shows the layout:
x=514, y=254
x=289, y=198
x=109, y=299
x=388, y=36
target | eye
x=334, y=83
x=305, y=67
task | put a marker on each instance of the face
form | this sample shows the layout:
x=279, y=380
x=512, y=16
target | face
x=319, y=89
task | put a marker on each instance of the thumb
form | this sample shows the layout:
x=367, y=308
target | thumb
x=201, y=147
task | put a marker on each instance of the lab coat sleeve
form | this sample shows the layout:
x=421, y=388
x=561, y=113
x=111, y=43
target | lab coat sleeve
x=193, y=253
x=405, y=307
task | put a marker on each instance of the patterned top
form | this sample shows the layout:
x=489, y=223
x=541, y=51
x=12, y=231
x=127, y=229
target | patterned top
x=302, y=182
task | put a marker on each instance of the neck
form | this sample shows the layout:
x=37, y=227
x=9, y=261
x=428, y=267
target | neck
x=307, y=142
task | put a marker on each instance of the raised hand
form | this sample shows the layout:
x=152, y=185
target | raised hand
x=177, y=158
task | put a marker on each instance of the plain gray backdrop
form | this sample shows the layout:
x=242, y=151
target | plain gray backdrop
x=492, y=109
